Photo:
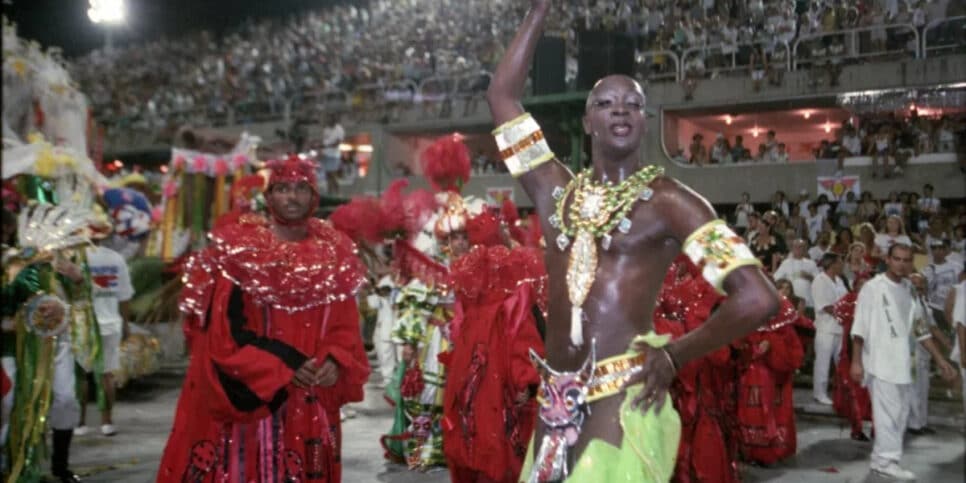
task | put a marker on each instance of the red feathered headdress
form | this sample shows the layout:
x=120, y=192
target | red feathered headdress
x=446, y=163
x=360, y=219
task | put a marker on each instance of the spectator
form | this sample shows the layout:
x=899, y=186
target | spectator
x=803, y=202
x=822, y=244
x=779, y=203
x=843, y=240
x=846, y=209
x=720, y=151
x=928, y=204
x=892, y=207
x=894, y=233
x=742, y=211
x=739, y=153
x=868, y=208
x=814, y=222
x=767, y=247
x=332, y=137
x=945, y=136
x=856, y=264
x=762, y=156
x=679, y=157
x=757, y=66
x=800, y=270
x=693, y=71
x=771, y=143
x=781, y=155
x=827, y=288
x=849, y=144
x=881, y=151
x=699, y=154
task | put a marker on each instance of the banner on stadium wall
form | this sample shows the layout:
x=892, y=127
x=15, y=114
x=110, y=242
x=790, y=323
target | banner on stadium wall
x=495, y=196
x=835, y=188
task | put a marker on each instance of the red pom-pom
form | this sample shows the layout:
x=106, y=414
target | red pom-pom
x=446, y=163
x=360, y=219
x=393, y=210
x=419, y=207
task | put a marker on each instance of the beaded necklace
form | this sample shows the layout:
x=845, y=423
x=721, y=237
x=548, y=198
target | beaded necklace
x=597, y=209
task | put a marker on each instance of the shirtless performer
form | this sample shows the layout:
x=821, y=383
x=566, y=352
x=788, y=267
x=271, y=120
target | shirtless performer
x=612, y=231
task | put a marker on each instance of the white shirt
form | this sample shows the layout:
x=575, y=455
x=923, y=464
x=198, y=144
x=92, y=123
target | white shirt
x=886, y=318
x=826, y=292
x=816, y=252
x=331, y=138
x=384, y=309
x=929, y=205
x=892, y=208
x=852, y=144
x=791, y=269
x=941, y=278
x=814, y=225
x=110, y=285
x=884, y=241
x=959, y=317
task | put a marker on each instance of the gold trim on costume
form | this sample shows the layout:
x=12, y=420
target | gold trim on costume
x=717, y=251
x=610, y=375
x=522, y=144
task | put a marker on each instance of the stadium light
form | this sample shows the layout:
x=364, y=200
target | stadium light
x=110, y=12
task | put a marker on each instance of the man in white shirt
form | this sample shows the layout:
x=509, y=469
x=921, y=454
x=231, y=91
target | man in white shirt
x=941, y=275
x=332, y=137
x=827, y=288
x=928, y=204
x=110, y=291
x=919, y=409
x=800, y=270
x=956, y=312
x=381, y=301
x=822, y=245
x=886, y=321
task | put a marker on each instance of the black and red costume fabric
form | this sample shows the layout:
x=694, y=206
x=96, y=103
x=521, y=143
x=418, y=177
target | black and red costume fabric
x=703, y=392
x=486, y=428
x=850, y=399
x=767, y=362
x=267, y=306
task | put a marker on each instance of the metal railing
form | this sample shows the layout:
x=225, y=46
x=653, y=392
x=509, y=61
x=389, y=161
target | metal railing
x=656, y=65
x=739, y=54
x=947, y=34
x=855, y=42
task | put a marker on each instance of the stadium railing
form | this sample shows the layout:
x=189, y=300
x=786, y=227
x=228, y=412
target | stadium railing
x=739, y=58
x=859, y=46
x=945, y=35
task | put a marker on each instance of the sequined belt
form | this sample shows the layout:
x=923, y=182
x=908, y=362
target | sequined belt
x=610, y=375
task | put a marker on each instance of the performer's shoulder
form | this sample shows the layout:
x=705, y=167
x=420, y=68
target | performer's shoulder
x=670, y=191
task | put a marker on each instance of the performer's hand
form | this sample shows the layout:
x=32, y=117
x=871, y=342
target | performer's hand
x=656, y=374
x=305, y=375
x=64, y=267
x=856, y=371
x=327, y=374
x=946, y=370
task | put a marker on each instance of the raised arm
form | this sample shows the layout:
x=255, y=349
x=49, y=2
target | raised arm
x=506, y=87
x=518, y=136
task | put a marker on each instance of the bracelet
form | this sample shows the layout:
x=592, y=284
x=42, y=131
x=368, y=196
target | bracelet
x=670, y=359
x=522, y=145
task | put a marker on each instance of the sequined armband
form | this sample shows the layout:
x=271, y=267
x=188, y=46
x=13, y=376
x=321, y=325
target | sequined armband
x=522, y=145
x=717, y=251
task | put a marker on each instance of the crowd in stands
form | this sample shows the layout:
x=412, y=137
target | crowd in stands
x=397, y=44
x=915, y=218
x=891, y=140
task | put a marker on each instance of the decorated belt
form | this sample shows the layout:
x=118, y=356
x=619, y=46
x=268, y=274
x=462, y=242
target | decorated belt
x=610, y=375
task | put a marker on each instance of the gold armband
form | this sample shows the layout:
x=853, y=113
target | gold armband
x=717, y=251
x=522, y=145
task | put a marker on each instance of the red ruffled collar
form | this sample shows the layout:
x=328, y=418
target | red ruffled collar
x=292, y=276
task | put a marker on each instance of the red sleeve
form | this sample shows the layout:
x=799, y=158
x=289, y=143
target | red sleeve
x=248, y=371
x=518, y=313
x=343, y=343
x=786, y=353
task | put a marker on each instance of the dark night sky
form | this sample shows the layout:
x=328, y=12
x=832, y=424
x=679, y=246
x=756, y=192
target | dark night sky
x=64, y=23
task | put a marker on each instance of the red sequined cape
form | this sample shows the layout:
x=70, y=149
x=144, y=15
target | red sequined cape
x=766, y=411
x=261, y=308
x=498, y=293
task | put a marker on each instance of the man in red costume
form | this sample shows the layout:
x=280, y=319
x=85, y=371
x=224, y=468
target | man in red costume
x=489, y=407
x=279, y=348
x=767, y=363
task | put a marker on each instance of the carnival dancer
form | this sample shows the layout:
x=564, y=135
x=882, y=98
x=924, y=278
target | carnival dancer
x=621, y=225
x=280, y=350
x=887, y=320
x=767, y=363
x=40, y=362
x=850, y=400
x=489, y=406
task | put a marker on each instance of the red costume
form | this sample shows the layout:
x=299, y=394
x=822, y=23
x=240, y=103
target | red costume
x=261, y=307
x=766, y=415
x=486, y=427
x=850, y=399
x=703, y=392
